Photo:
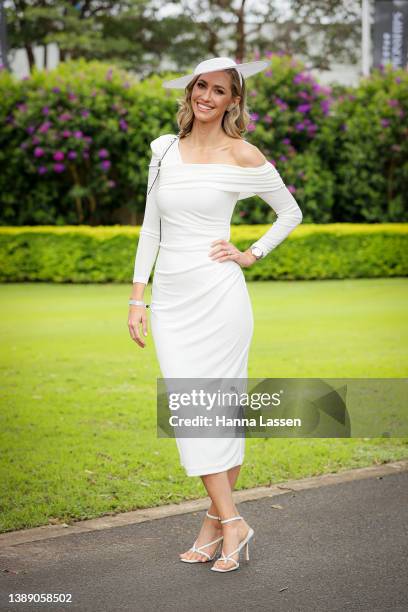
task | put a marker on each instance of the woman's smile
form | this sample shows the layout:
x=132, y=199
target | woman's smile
x=204, y=107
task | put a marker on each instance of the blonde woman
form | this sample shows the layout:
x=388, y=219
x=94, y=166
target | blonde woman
x=201, y=314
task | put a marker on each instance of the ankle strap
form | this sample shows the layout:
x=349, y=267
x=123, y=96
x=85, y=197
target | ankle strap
x=234, y=518
x=217, y=518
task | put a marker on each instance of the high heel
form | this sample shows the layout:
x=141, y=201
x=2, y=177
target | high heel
x=244, y=542
x=199, y=550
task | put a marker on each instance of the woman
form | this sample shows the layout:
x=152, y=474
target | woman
x=201, y=314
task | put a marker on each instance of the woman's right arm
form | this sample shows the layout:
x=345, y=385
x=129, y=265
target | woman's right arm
x=146, y=253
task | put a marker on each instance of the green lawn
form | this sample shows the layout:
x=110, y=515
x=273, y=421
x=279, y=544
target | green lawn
x=78, y=417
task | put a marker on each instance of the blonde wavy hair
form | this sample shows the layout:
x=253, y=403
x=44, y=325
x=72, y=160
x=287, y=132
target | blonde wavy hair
x=234, y=122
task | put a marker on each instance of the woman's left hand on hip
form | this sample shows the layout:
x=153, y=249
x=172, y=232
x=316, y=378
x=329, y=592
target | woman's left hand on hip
x=222, y=250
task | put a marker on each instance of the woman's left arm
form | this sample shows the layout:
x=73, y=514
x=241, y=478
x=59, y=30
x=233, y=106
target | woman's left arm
x=279, y=198
x=289, y=216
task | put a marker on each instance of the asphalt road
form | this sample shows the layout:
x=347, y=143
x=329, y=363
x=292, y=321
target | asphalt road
x=338, y=547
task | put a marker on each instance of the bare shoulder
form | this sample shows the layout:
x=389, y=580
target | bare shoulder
x=246, y=154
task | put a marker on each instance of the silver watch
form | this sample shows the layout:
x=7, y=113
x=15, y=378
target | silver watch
x=257, y=252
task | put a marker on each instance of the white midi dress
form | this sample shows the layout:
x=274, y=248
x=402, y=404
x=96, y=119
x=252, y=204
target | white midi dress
x=200, y=313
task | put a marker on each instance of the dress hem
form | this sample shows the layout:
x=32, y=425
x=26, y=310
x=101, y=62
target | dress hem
x=212, y=469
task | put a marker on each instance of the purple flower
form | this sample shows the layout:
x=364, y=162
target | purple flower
x=253, y=93
x=56, y=90
x=38, y=152
x=286, y=141
x=267, y=119
x=282, y=105
x=300, y=126
x=42, y=169
x=385, y=122
x=305, y=95
x=59, y=167
x=105, y=165
x=65, y=117
x=30, y=129
x=123, y=125
x=343, y=127
x=22, y=107
x=72, y=155
x=85, y=154
x=87, y=139
x=66, y=133
x=283, y=158
x=325, y=106
x=268, y=54
x=103, y=153
x=251, y=127
x=393, y=102
x=58, y=155
x=24, y=145
x=109, y=75
x=299, y=78
x=35, y=140
x=72, y=96
x=268, y=73
x=303, y=108
x=85, y=113
x=78, y=134
x=398, y=79
x=45, y=110
x=272, y=161
x=44, y=127
x=111, y=184
x=126, y=85
x=292, y=188
x=254, y=116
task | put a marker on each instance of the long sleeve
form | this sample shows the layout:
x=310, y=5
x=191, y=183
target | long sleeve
x=149, y=236
x=289, y=216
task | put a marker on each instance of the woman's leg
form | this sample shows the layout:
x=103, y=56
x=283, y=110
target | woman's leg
x=211, y=529
x=219, y=489
x=233, y=474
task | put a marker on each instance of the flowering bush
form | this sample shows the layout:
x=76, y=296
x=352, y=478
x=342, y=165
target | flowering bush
x=73, y=139
x=369, y=149
x=74, y=143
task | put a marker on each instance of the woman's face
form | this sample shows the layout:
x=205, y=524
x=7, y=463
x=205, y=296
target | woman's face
x=211, y=96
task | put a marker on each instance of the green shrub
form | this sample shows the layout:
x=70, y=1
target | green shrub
x=106, y=254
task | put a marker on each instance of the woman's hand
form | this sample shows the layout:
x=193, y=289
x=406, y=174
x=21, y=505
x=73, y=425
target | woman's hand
x=225, y=251
x=137, y=316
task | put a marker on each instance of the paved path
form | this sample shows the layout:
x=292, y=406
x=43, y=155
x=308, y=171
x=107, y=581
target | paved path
x=327, y=548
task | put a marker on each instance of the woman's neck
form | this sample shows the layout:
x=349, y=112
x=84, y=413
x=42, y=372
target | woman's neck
x=206, y=136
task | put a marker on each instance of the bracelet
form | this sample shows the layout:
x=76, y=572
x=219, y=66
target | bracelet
x=138, y=303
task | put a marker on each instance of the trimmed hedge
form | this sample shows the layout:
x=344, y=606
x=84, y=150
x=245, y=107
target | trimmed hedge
x=84, y=254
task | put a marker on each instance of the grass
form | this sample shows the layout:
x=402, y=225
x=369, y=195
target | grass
x=78, y=418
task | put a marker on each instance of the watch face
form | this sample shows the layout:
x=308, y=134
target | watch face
x=257, y=252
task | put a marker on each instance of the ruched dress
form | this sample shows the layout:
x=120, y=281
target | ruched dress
x=200, y=313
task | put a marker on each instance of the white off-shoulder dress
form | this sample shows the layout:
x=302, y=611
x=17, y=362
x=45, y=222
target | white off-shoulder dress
x=201, y=315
